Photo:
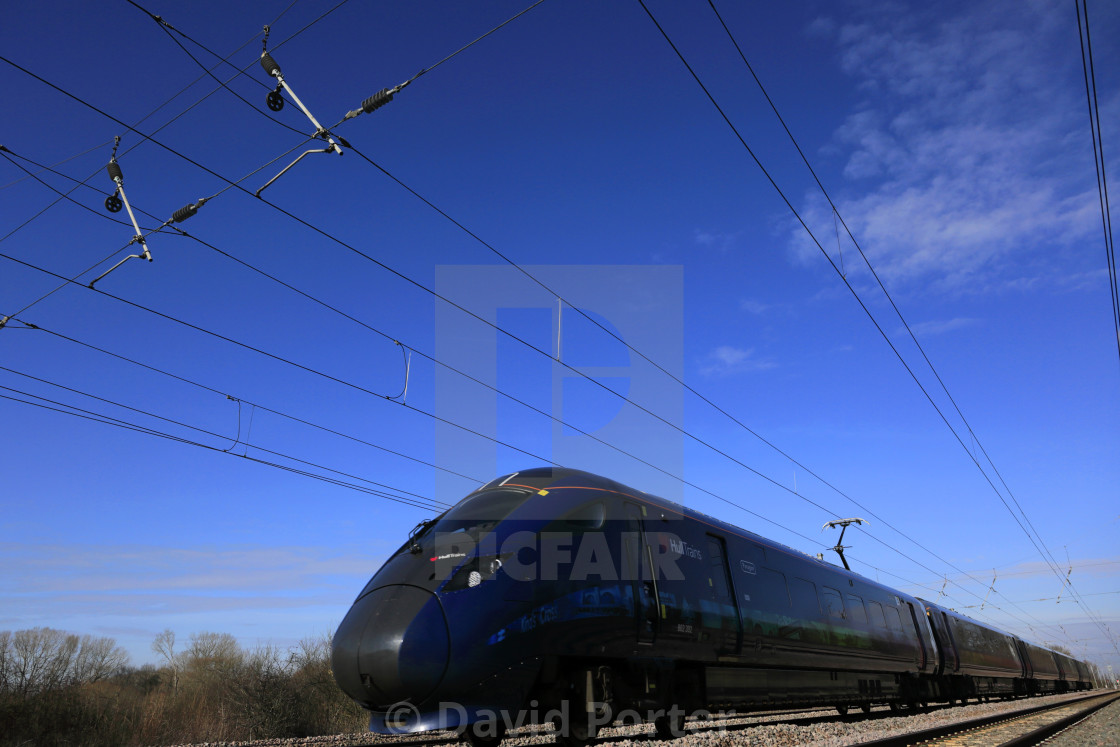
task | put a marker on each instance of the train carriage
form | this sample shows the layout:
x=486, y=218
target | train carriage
x=557, y=595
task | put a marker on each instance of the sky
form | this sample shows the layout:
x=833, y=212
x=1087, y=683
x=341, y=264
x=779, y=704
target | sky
x=637, y=269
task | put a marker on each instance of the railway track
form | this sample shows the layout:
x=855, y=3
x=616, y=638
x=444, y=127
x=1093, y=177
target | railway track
x=779, y=728
x=1019, y=729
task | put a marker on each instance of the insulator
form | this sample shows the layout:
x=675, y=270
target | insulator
x=377, y=100
x=275, y=101
x=183, y=213
x=113, y=204
x=270, y=65
x=114, y=170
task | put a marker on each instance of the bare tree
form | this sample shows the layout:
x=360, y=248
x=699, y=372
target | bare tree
x=96, y=659
x=212, y=655
x=164, y=645
x=5, y=661
x=41, y=659
x=213, y=647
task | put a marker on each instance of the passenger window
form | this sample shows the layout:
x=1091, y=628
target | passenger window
x=774, y=588
x=833, y=603
x=893, y=620
x=803, y=594
x=856, y=613
x=877, y=618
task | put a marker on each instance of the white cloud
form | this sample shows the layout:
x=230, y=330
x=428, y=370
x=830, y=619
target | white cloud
x=967, y=156
x=753, y=306
x=721, y=242
x=173, y=571
x=940, y=326
x=727, y=360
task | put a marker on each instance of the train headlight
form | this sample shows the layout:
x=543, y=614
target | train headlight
x=474, y=572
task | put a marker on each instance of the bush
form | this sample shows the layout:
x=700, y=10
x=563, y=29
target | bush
x=60, y=689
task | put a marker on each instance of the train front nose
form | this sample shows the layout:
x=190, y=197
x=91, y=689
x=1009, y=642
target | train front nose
x=392, y=646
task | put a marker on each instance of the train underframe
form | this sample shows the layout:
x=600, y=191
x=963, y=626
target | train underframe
x=581, y=696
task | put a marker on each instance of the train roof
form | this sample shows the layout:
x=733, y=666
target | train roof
x=555, y=478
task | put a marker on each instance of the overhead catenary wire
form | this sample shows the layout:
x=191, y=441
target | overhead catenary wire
x=178, y=216
x=367, y=391
x=281, y=359
x=112, y=420
x=385, y=95
x=856, y=559
x=406, y=495
x=426, y=356
x=189, y=108
x=66, y=409
x=400, y=496
x=253, y=402
x=688, y=387
x=1089, y=72
x=145, y=429
x=462, y=227
x=514, y=337
x=495, y=389
x=425, y=288
x=387, y=336
x=358, y=387
x=29, y=175
x=811, y=540
x=191, y=208
x=1031, y=537
x=596, y=382
x=1044, y=551
x=168, y=29
x=370, y=104
x=836, y=214
x=412, y=282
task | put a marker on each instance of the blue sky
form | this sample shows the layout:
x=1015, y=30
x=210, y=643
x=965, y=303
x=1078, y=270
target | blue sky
x=952, y=139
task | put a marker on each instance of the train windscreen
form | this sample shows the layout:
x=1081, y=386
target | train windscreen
x=482, y=511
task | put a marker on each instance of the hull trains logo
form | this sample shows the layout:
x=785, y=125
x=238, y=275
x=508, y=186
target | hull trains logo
x=685, y=550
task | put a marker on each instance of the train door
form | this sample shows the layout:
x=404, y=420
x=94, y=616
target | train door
x=642, y=573
x=719, y=606
x=923, y=655
x=953, y=657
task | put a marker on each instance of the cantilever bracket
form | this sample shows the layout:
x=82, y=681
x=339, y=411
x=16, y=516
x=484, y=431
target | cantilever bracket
x=276, y=103
x=290, y=165
x=117, y=176
x=840, y=547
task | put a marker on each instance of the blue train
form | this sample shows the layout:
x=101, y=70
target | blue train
x=557, y=595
